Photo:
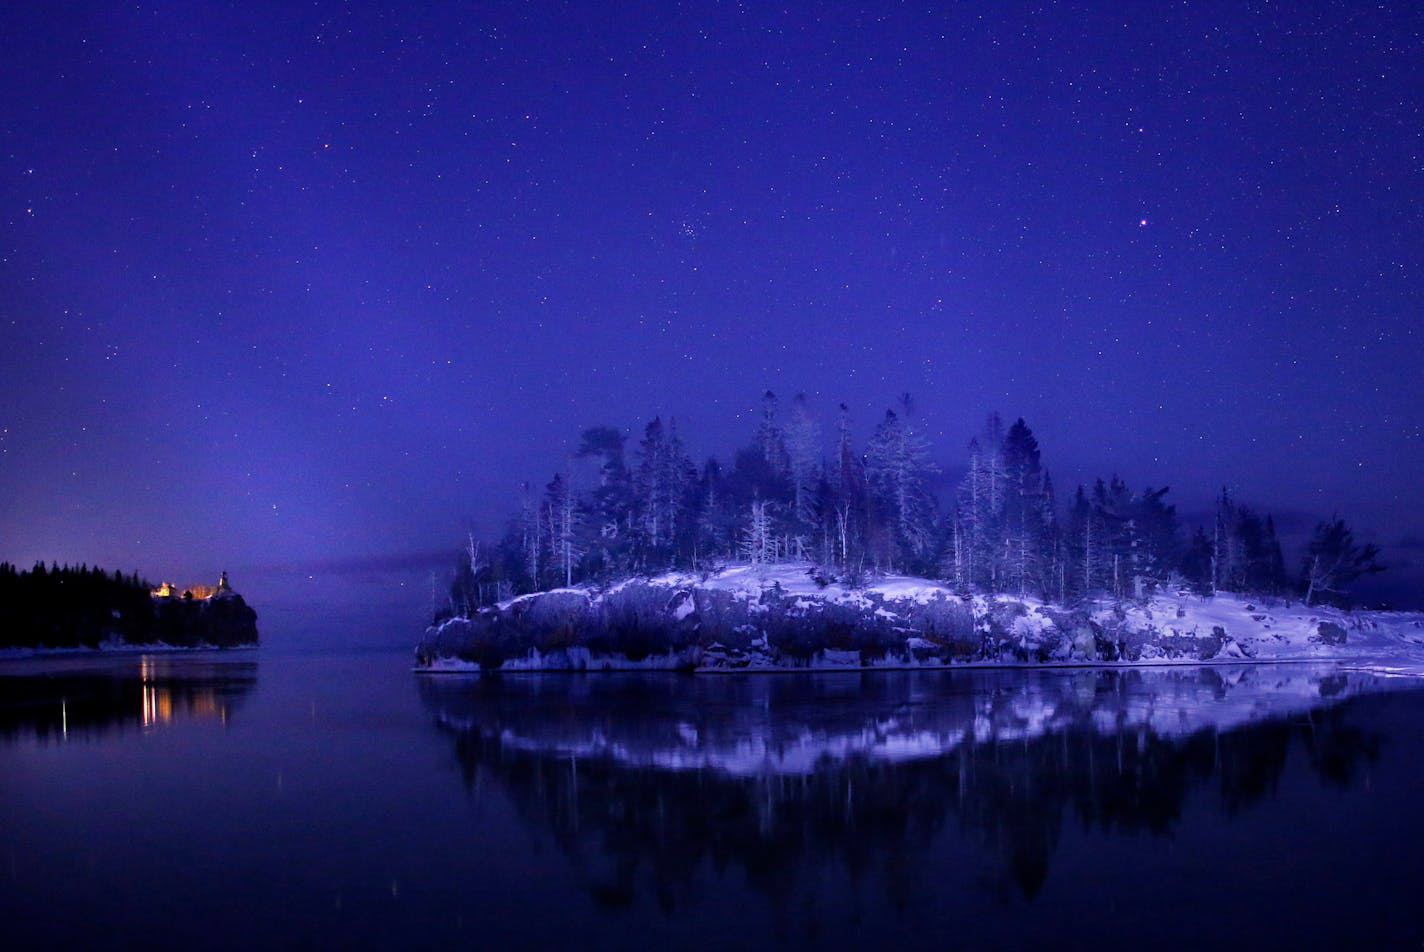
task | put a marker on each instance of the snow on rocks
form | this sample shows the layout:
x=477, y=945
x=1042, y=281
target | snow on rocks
x=788, y=616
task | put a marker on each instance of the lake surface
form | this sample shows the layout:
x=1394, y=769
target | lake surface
x=260, y=800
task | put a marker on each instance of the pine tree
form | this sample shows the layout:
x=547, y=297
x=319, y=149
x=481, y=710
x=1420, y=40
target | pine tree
x=898, y=467
x=770, y=438
x=1159, y=534
x=982, y=508
x=803, y=449
x=1227, y=557
x=1085, y=541
x=1113, y=502
x=1141, y=539
x=969, y=514
x=661, y=486
x=1023, y=516
x=531, y=536
x=1197, y=562
x=849, y=498
x=1276, y=581
x=607, y=534
x=564, y=521
x=1333, y=559
x=1055, y=556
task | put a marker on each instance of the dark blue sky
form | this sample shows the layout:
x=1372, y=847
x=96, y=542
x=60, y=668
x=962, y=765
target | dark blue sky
x=307, y=289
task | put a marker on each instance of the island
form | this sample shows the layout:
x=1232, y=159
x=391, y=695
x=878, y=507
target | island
x=86, y=608
x=809, y=553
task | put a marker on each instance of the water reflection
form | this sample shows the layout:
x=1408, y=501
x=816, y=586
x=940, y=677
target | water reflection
x=653, y=780
x=62, y=699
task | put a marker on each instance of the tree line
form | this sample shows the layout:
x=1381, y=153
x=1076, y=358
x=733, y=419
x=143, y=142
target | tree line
x=72, y=606
x=84, y=607
x=853, y=510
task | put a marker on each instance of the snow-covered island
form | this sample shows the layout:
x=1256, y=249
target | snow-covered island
x=796, y=558
x=788, y=617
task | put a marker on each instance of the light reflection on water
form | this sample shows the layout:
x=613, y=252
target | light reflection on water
x=60, y=697
x=333, y=801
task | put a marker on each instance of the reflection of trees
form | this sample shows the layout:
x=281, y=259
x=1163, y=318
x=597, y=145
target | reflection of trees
x=625, y=810
x=1134, y=783
x=146, y=692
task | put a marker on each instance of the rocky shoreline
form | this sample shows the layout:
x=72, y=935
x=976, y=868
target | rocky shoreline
x=745, y=619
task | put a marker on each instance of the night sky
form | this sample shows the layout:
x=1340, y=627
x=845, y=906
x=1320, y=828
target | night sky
x=304, y=291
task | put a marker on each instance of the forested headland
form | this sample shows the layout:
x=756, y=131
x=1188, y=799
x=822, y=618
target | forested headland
x=87, y=607
x=854, y=511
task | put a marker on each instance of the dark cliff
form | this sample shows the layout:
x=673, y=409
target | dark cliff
x=223, y=621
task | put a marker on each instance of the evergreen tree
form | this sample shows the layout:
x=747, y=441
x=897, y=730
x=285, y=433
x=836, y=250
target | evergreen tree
x=1159, y=534
x=1277, y=580
x=803, y=449
x=848, y=501
x=1197, y=562
x=1055, y=581
x=771, y=440
x=564, y=521
x=983, y=545
x=1024, y=516
x=898, y=467
x=1245, y=553
x=531, y=538
x=607, y=533
x=1261, y=568
x=661, y=485
x=718, y=520
x=1333, y=560
x=1085, y=541
x=1141, y=538
x=74, y=606
x=1227, y=558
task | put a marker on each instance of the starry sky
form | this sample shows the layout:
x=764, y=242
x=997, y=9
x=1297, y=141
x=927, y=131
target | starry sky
x=304, y=291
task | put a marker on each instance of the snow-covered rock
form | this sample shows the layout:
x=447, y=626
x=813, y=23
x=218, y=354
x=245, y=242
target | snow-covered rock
x=782, y=617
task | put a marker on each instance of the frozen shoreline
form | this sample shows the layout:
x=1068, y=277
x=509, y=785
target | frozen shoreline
x=21, y=654
x=1388, y=667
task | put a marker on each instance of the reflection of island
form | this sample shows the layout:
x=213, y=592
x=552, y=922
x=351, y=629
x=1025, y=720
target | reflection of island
x=654, y=777
x=62, y=700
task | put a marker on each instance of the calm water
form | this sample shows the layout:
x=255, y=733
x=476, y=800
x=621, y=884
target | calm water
x=325, y=801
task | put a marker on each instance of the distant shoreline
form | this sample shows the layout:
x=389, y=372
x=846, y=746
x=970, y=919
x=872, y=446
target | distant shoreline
x=21, y=654
x=81, y=608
